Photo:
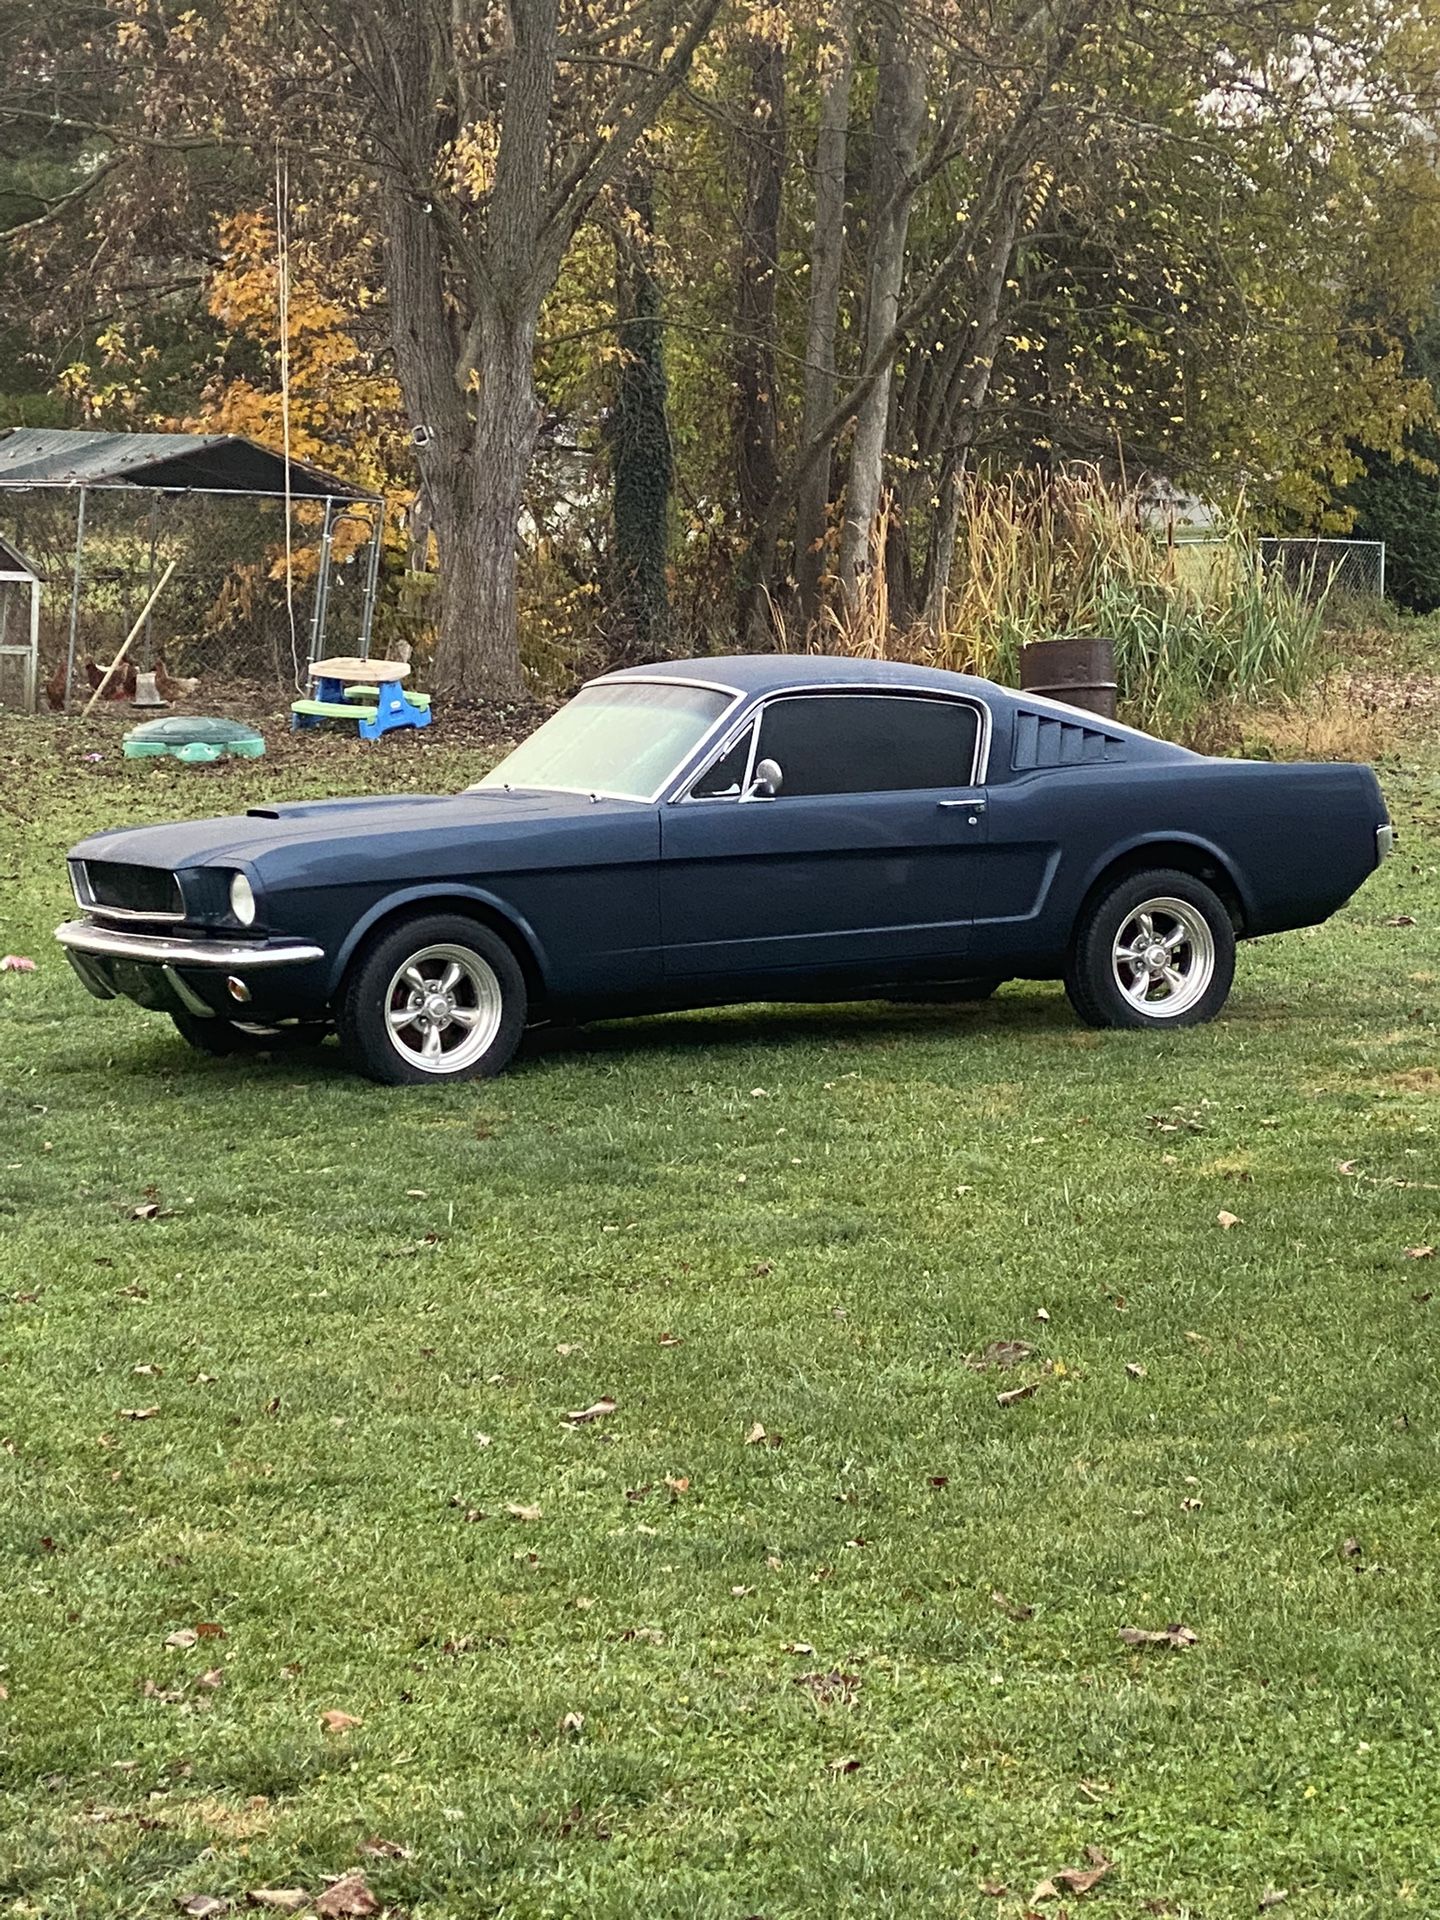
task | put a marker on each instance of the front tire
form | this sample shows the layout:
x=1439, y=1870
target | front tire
x=1156, y=950
x=437, y=998
x=224, y=1039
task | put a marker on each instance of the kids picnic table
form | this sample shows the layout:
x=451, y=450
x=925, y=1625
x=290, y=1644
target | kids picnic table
x=370, y=692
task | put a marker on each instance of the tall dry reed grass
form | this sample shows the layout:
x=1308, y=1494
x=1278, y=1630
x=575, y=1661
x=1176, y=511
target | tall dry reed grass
x=1193, y=623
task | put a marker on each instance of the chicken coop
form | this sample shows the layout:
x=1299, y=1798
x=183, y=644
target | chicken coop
x=19, y=629
x=274, y=563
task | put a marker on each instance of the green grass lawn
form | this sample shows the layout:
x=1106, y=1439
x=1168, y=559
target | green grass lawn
x=639, y=1666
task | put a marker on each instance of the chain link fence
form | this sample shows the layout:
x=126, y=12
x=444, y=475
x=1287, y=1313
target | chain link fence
x=236, y=615
x=1315, y=567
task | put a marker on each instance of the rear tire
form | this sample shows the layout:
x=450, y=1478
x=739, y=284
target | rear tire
x=437, y=998
x=1156, y=950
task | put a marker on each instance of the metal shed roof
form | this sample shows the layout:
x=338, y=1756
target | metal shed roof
x=13, y=563
x=205, y=462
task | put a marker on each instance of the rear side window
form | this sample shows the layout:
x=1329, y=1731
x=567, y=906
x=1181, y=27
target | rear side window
x=868, y=743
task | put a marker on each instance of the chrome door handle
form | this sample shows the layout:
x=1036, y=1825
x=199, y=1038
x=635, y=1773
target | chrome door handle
x=971, y=806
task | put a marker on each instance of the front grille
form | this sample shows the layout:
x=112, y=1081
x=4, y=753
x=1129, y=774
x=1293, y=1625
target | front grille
x=150, y=892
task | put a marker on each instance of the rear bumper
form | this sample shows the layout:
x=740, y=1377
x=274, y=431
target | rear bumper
x=235, y=978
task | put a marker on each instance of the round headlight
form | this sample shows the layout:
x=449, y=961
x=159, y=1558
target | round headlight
x=242, y=900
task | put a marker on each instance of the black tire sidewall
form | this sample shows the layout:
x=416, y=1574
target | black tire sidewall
x=364, y=1035
x=224, y=1039
x=1090, y=979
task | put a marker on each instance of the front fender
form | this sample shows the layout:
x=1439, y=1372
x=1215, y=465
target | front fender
x=436, y=894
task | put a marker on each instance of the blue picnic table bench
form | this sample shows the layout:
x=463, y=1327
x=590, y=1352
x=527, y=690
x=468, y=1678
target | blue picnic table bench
x=369, y=692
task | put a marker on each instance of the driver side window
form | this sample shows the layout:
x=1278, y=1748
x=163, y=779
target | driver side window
x=834, y=743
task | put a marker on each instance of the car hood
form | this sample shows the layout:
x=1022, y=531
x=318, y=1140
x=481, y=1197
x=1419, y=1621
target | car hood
x=233, y=839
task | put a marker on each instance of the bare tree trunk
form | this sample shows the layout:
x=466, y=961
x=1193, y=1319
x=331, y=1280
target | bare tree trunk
x=639, y=436
x=967, y=402
x=477, y=519
x=899, y=116
x=827, y=260
x=756, y=287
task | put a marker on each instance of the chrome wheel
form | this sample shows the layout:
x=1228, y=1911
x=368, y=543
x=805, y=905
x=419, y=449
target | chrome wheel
x=1163, y=957
x=443, y=1009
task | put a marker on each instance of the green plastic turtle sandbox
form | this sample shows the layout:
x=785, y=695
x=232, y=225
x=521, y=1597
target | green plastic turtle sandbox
x=193, y=738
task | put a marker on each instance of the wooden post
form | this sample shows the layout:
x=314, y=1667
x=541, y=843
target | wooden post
x=125, y=645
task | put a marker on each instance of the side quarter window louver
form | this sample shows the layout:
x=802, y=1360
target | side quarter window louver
x=1041, y=740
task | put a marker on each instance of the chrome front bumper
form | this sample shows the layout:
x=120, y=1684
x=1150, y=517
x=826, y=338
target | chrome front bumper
x=160, y=950
x=1384, y=843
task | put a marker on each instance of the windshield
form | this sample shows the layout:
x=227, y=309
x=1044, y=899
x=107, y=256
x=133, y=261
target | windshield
x=624, y=738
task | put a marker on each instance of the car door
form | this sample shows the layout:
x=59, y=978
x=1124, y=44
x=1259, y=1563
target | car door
x=863, y=863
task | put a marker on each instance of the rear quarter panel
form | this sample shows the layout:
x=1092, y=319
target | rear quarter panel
x=1294, y=842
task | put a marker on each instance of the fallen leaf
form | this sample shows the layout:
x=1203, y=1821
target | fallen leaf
x=829, y=1689
x=16, y=963
x=212, y=1677
x=380, y=1849
x=1227, y=1220
x=652, y=1635
x=740, y=1593
x=335, y=1720
x=1135, y=1369
x=847, y=1763
x=996, y=1889
x=671, y=1340
x=1419, y=1253
x=202, y=1906
x=565, y=1349
x=149, y=1371
x=1351, y=1549
x=523, y=1513
x=938, y=1481
x=1015, y=1609
x=279, y=1899
x=572, y=1723
x=1000, y=1353
x=798, y=1646
x=1172, y=1636
x=138, y=1413
x=1272, y=1897
x=758, y=1437
x=1013, y=1394
x=601, y=1409
x=347, y=1898
x=677, y=1484
x=1395, y=920
x=1076, y=1880
x=1041, y=1313
x=183, y=1637
x=1190, y=1504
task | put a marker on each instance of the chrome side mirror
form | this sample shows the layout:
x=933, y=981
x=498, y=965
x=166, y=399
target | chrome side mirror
x=767, y=781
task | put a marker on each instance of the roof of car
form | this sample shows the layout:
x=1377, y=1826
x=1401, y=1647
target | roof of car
x=768, y=672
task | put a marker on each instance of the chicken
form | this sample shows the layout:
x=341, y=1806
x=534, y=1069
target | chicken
x=55, y=689
x=122, y=681
x=168, y=685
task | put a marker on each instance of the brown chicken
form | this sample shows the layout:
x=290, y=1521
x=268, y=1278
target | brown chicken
x=122, y=681
x=168, y=686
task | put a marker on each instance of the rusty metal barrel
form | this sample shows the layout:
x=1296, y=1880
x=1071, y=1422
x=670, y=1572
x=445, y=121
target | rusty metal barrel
x=1078, y=668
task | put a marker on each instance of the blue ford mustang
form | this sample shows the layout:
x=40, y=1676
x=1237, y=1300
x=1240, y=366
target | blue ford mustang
x=723, y=830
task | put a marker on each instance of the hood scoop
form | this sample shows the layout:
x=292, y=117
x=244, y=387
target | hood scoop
x=262, y=813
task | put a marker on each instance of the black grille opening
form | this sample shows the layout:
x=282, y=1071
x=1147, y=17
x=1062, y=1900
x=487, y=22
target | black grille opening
x=133, y=889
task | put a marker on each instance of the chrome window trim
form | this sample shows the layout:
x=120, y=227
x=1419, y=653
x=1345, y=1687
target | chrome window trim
x=750, y=723
x=979, y=765
x=645, y=680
